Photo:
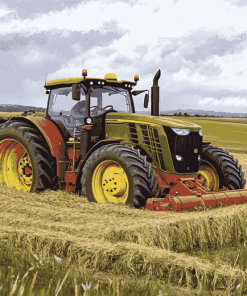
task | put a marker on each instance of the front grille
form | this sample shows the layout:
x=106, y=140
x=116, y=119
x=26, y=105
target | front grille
x=133, y=133
x=151, y=140
x=184, y=146
x=98, y=128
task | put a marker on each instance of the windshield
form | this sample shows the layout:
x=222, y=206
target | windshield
x=72, y=113
x=61, y=102
x=118, y=98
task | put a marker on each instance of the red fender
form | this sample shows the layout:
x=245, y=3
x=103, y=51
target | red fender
x=54, y=139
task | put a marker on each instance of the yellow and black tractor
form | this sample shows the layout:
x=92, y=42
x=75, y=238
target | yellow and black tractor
x=92, y=142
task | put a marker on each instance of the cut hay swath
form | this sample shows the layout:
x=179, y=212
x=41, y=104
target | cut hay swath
x=121, y=241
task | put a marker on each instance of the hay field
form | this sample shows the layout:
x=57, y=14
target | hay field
x=7, y=115
x=55, y=243
x=227, y=133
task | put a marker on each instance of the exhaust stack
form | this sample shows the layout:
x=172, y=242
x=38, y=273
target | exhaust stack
x=155, y=95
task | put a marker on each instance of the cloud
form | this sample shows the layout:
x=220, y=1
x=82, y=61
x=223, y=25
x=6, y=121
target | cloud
x=32, y=9
x=4, y=11
x=239, y=3
x=34, y=92
x=12, y=42
x=5, y=67
x=36, y=57
x=201, y=51
x=213, y=46
x=169, y=20
x=236, y=102
x=79, y=19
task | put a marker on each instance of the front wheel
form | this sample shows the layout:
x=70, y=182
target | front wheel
x=219, y=169
x=117, y=174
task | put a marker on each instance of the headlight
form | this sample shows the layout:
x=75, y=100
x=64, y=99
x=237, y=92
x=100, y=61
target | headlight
x=179, y=157
x=200, y=132
x=181, y=131
x=88, y=120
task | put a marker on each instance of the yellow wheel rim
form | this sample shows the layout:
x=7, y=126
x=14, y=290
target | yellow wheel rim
x=110, y=183
x=207, y=171
x=15, y=165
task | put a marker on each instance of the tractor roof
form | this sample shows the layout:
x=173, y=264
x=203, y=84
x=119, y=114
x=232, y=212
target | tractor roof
x=109, y=80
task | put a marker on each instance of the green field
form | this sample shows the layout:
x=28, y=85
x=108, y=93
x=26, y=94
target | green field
x=7, y=115
x=53, y=242
x=227, y=133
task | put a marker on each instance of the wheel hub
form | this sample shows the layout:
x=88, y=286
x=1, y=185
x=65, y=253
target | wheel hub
x=110, y=183
x=25, y=170
x=15, y=165
x=208, y=173
x=114, y=184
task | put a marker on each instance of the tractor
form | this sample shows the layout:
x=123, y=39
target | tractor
x=92, y=142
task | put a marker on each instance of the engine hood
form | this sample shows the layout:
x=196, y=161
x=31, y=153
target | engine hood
x=118, y=117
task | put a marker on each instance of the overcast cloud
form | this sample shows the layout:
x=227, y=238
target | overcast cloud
x=199, y=46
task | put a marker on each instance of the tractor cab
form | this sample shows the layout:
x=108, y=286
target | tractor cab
x=75, y=102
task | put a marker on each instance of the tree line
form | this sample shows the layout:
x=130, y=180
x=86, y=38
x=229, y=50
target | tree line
x=188, y=115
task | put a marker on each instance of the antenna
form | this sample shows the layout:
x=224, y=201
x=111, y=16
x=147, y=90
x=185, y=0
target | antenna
x=45, y=78
x=83, y=64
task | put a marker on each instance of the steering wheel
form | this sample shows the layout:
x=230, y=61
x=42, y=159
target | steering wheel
x=95, y=110
x=108, y=106
x=95, y=107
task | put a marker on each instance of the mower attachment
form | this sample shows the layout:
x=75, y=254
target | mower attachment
x=188, y=193
x=192, y=202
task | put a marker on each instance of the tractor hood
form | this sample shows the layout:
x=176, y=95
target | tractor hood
x=113, y=117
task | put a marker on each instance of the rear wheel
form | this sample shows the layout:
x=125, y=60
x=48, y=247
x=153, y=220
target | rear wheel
x=25, y=159
x=115, y=173
x=218, y=169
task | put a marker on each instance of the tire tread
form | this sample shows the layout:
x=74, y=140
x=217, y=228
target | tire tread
x=144, y=182
x=230, y=173
x=41, y=151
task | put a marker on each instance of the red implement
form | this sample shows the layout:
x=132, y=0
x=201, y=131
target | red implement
x=186, y=193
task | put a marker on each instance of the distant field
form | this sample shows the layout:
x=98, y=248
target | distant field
x=227, y=133
x=6, y=115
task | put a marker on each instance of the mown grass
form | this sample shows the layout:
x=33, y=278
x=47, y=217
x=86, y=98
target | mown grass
x=140, y=251
x=66, y=243
x=232, y=255
x=47, y=274
x=67, y=226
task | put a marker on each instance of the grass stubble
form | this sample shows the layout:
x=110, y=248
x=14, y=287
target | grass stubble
x=115, y=250
x=55, y=243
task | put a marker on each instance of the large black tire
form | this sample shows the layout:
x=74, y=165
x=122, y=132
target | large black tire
x=25, y=159
x=118, y=164
x=229, y=173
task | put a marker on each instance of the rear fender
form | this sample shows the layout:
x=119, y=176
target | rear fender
x=52, y=136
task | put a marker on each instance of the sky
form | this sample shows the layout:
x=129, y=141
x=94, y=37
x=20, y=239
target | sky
x=199, y=46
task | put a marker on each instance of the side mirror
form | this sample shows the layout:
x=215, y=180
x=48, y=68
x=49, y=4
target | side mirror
x=76, y=92
x=146, y=99
x=137, y=92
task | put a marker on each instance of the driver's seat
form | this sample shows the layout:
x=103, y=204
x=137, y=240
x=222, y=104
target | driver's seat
x=79, y=110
